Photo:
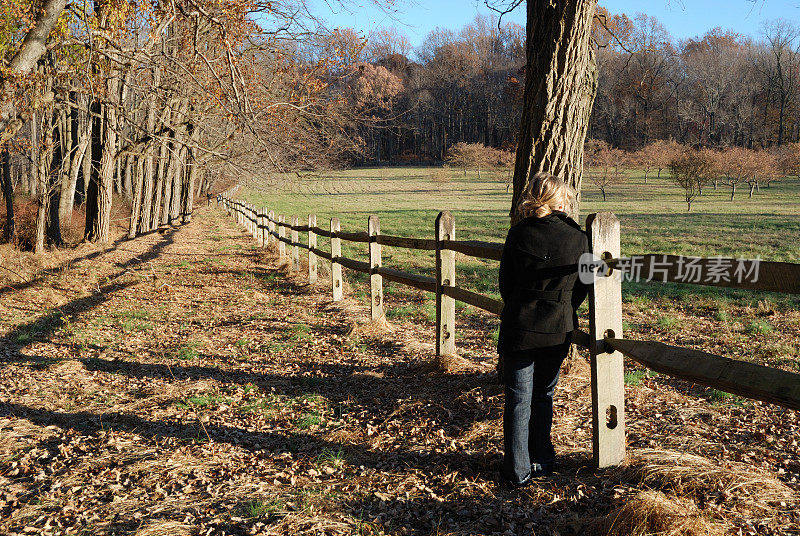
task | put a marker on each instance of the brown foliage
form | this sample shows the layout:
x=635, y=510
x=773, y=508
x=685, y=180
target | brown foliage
x=690, y=170
x=605, y=164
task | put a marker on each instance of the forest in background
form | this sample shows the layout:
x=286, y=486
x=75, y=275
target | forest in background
x=720, y=89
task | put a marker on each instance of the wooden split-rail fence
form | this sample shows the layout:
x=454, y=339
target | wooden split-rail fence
x=604, y=339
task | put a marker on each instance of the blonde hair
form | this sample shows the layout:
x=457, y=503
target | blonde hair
x=543, y=194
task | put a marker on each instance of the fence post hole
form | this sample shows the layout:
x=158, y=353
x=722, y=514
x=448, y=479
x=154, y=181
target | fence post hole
x=281, y=237
x=312, y=243
x=605, y=317
x=270, y=226
x=445, y=276
x=375, y=279
x=295, y=247
x=336, y=268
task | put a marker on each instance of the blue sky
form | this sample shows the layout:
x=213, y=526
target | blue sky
x=682, y=18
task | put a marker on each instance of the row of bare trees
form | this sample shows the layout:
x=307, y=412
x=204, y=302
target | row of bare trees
x=692, y=168
x=148, y=103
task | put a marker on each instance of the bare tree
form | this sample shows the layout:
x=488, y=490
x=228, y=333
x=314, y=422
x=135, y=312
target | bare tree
x=605, y=165
x=782, y=66
x=690, y=170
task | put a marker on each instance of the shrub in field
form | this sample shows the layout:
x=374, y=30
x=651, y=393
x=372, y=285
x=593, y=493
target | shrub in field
x=787, y=160
x=655, y=155
x=690, y=170
x=605, y=164
x=764, y=169
x=478, y=156
x=734, y=165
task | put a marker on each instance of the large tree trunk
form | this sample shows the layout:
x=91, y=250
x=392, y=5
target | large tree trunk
x=55, y=178
x=42, y=165
x=161, y=173
x=149, y=168
x=136, y=210
x=69, y=180
x=8, y=193
x=93, y=179
x=107, y=168
x=560, y=85
x=81, y=138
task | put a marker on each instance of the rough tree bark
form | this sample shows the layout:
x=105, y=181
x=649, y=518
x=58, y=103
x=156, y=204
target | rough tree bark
x=55, y=176
x=8, y=193
x=560, y=85
x=149, y=168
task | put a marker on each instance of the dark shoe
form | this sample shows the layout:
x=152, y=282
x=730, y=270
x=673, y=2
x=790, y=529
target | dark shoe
x=525, y=482
x=542, y=469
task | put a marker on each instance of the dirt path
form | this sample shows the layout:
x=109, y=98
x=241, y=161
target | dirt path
x=184, y=383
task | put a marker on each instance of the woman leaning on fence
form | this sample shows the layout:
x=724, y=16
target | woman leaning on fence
x=541, y=291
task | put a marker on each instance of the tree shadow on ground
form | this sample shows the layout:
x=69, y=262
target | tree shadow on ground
x=5, y=289
x=45, y=326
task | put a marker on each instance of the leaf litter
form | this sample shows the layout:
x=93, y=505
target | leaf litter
x=178, y=385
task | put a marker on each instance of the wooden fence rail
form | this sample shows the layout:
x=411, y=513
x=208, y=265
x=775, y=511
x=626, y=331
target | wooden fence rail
x=604, y=340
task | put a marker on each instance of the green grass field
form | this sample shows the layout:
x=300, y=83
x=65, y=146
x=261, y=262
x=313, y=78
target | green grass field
x=653, y=216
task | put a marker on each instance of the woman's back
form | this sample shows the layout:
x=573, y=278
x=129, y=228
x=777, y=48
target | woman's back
x=539, y=280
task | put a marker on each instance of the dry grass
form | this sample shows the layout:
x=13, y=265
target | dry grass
x=695, y=476
x=653, y=513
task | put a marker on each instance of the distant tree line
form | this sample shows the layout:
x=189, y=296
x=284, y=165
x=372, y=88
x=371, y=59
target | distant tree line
x=721, y=89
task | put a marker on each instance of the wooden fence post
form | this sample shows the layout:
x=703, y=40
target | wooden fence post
x=375, y=279
x=295, y=247
x=281, y=237
x=270, y=226
x=312, y=243
x=445, y=276
x=260, y=228
x=263, y=223
x=605, y=318
x=336, y=268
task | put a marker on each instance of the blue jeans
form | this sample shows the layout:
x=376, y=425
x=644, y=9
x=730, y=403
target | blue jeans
x=530, y=378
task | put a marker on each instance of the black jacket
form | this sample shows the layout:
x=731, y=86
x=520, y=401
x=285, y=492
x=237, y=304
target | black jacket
x=539, y=282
